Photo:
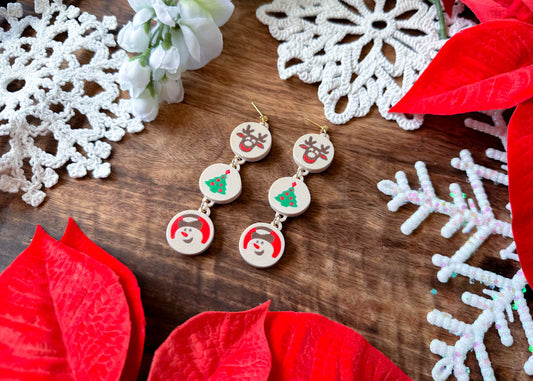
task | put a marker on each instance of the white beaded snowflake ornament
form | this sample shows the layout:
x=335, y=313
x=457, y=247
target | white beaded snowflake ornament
x=57, y=70
x=191, y=232
x=261, y=245
x=502, y=294
x=361, y=55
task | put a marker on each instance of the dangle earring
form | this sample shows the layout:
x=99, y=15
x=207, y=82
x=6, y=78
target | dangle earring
x=261, y=244
x=191, y=232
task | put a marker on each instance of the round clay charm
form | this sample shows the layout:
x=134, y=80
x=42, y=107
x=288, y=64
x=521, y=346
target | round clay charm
x=261, y=245
x=313, y=152
x=190, y=232
x=289, y=196
x=251, y=141
x=220, y=183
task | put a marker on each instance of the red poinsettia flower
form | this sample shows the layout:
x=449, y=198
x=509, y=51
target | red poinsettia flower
x=258, y=345
x=486, y=67
x=69, y=311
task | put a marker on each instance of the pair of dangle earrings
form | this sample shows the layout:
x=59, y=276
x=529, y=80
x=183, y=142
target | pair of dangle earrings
x=261, y=245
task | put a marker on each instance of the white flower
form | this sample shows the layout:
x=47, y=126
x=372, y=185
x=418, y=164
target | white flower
x=145, y=106
x=137, y=5
x=133, y=39
x=146, y=9
x=168, y=59
x=134, y=77
x=198, y=35
x=220, y=10
x=170, y=90
x=165, y=13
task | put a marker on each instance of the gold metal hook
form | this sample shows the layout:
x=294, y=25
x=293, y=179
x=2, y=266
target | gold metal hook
x=262, y=118
x=324, y=128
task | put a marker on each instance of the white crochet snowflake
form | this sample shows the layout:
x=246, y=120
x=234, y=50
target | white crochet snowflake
x=504, y=294
x=344, y=44
x=57, y=70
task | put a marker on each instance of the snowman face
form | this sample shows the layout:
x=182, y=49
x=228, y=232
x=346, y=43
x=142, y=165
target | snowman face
x=261, y=245
x=190, y=233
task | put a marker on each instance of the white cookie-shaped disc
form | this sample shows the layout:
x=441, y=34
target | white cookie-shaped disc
x=313, y=152
x=190, y=232
x=261, y=245
x=289, y=196
x=251, y=141
x=220, y=183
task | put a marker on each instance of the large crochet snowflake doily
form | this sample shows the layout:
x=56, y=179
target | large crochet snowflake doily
x=360, y=55
x=57, y=70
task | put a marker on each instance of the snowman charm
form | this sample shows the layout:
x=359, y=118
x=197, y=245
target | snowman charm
x=261, y=245
x=190, y=232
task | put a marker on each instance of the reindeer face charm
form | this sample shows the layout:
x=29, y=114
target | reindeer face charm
x=261, y=245
x=251, y=141
x=190, y=232
x=313, y=152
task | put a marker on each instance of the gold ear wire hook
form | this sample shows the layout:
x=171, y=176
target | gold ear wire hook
x=324, y=128
x=262, y=118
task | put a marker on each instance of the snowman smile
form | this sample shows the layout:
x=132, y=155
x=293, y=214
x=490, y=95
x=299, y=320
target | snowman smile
x=189, y=240
x=259, y=252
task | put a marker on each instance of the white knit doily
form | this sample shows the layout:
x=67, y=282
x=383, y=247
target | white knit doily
x=344, y=44
x=56, y=71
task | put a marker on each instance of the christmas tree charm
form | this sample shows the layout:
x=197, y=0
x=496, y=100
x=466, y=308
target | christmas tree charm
x=313, y=152
x=289, y=196
x=191, y=232
x=251, y=141
x=220, y=183
x=261, y=245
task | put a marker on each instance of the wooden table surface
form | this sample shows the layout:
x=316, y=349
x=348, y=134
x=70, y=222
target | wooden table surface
x=345, y=257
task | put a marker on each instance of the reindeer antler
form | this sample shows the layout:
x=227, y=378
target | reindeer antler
x=262, y=138
x=310, y=142
x=324, y=149
x=247, y=130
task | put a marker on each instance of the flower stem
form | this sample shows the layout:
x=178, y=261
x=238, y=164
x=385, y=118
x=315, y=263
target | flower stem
x=442, y=24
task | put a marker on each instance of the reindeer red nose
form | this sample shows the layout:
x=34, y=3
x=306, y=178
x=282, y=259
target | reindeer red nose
x=184, y=234
x=256, y=246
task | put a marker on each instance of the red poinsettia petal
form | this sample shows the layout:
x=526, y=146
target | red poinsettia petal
x=485, y=67
x=63, y=316
x=311, y=347
x=490, y=10
x=448, y=6
x=216, y=346
x=76, y=239
x=520, y=165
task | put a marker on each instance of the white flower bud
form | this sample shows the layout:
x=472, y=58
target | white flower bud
x=133, y=39
x=170, y=90
x=145, y=106
x=168, y=60
x=134, y=77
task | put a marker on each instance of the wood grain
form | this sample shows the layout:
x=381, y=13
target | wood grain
x=345, y=257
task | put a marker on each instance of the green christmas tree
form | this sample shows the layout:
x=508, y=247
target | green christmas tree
x=287, y=198
x=218, y=184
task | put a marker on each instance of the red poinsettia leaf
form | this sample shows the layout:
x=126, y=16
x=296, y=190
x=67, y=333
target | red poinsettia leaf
x=76, y=239
x=490, y=10
x=448, y=6
x=485, y=67
x=520, y=165
x=216, y=346
x=311, y=347
x=63, y=316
